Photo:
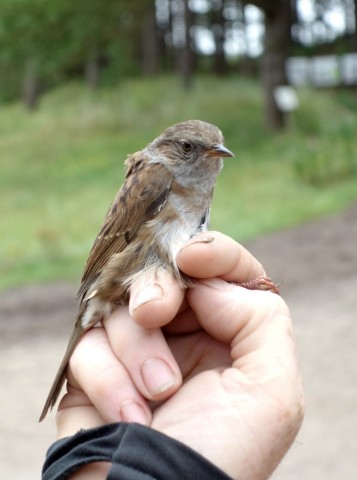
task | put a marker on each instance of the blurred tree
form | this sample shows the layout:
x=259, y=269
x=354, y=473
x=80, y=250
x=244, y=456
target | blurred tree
x=350, y=7
x=325, y=26
x=276, y=44
x=150, y=46
x=22, y=44
x=182, y=42
x=354, y=25
x=44, y=43
x=187, y=50
x=218, y=20
x=31, y=84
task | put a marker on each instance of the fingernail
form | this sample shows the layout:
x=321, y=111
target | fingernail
x=133, y=412
x=198, y=240
x=146, y=295
x=157, y=376
x=216, y=283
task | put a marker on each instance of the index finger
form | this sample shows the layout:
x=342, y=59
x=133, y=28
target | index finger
x=213, y=254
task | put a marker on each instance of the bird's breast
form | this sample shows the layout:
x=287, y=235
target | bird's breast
x=181, y=218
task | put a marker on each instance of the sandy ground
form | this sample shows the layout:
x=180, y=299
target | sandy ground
x=318, y=265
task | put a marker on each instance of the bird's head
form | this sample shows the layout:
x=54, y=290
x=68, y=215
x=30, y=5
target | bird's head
x=190, y=143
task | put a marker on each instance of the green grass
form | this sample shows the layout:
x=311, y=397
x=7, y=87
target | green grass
x=61, y=166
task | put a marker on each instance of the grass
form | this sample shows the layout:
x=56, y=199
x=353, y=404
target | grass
x=61, y=166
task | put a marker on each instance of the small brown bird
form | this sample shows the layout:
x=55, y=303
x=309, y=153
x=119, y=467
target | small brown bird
x=164, y=201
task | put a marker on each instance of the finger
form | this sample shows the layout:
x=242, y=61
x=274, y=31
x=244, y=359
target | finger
x=155, y=304
x=145, y=355
x=212, y=254
x=105, y=380
x=185, y=322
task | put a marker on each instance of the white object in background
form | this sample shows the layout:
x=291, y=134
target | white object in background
x=286, y=98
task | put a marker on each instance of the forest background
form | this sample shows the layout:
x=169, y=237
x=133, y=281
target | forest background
x=82, y=84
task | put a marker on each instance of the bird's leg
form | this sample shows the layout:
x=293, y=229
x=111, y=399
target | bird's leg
x=260, y=283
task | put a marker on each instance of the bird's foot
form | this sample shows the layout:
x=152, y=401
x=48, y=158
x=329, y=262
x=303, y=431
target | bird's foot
x=261, y=283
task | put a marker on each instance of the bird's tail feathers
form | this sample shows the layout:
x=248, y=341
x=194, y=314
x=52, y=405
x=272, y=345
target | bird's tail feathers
x=61, y=374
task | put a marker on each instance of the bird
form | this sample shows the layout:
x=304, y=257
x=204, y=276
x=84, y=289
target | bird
x=164, y=201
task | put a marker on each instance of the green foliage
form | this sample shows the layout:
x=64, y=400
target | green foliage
x=59, y=37
x=315, y=164
x=61, y=166
x=327, y=154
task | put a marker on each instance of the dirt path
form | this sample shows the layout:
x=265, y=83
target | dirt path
x=318, y=265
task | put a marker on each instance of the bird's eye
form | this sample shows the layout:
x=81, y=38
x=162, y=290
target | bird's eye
x=187, y=147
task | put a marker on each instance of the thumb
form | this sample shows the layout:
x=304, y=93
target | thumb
x=256, y=324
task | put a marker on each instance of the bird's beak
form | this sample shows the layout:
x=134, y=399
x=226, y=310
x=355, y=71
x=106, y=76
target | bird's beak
x=219, y=150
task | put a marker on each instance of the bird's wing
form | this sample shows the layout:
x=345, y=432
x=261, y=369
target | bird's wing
x=142, y=196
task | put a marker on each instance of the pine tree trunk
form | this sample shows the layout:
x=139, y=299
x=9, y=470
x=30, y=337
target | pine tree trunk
x=277, y=41
x=186, y=54
x=276, y=45
x=220, y=64
x=150, y=49
x=31, y=85
x=91, y=69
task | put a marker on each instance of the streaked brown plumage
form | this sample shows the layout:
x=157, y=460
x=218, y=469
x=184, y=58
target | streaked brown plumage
x=164, y=201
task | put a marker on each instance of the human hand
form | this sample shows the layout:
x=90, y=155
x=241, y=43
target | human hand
x=230, y=389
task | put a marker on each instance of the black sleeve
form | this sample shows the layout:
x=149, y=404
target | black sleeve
x=136, y=453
